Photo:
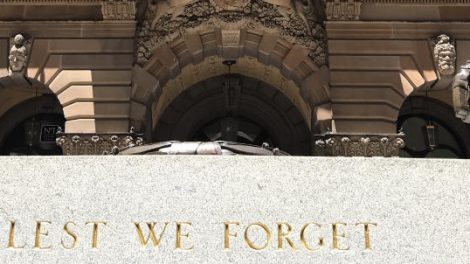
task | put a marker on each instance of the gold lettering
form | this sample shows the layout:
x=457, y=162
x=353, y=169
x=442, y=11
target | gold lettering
x=179, y=235
x=304, y=242
x=250, y=243
x=11, y=238
x=71, y=234
x=94, y=239
x=335, y=235
x=155, y=240
x=37, y=238
x=227, y=234
x=367, y=243
x=281, y=235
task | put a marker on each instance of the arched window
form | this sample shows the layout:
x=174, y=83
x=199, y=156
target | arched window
x=432, y=131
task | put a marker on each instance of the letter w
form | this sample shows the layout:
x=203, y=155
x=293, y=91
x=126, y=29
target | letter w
x=155, y=240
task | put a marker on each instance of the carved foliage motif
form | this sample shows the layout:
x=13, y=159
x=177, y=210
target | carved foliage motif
x=358, y=145
x=93, y=144
x=300, y=25
x=444, y=55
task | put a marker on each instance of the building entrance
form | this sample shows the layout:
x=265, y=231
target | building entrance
x=237, y=108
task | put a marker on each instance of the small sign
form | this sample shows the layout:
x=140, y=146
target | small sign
x=48, y=133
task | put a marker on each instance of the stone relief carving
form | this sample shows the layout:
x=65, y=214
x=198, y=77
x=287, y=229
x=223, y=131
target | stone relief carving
x=300, y=20
x=343, y=9
x=444, y=55
x=461, y=91
x=118, y=9
x=18, y=57
x=358, y=145
x=94, y=144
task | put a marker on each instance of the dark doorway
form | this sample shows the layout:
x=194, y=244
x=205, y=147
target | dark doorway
x=30, y=127
x=432, y=130
x=235, y=108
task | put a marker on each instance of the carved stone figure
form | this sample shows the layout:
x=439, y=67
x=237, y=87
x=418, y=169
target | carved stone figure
x=444, y=55
x=18, y=54
x=460, y=92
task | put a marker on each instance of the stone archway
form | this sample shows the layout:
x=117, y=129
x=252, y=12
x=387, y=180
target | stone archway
x=238, y=108
x=263, y=55
x=33, y=117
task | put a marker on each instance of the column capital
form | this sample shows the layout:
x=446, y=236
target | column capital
x=366, y=145
x=97, y=144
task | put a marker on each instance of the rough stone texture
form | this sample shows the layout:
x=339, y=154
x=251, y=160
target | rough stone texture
x=420, y=206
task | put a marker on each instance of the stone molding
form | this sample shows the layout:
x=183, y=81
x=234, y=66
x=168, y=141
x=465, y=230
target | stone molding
x=118, y=10
x=365, y=145
x=343, y=9
x=417, y=2
x=395, y=30
x=70, y=29
x=51, y=2
x=97, y=144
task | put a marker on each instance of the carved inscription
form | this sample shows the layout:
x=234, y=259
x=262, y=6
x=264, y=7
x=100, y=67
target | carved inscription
x=234, y=235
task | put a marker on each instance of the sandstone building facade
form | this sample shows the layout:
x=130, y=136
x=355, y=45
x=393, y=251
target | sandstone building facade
x=313, y=77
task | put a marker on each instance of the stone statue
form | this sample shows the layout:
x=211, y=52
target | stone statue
x=460, y=92
x=444, y=55
x=18, y=55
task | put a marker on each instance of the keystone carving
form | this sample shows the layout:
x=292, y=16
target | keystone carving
x=298, y=20
x=444, y=55
x=358, y=145
x=460, y=92
x=19, y=52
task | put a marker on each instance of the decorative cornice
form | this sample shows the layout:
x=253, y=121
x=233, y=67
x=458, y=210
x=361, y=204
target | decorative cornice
x=365, y=145
x=50, y=2
x=395, y=30
x=417, y=2
x=70, y=29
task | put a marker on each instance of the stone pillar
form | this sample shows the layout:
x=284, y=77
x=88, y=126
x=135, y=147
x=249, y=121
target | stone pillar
x=366, y=145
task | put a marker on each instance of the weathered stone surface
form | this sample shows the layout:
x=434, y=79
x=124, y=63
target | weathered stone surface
x=420, y=208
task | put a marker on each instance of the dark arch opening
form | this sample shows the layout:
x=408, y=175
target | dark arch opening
x=235, y=108
x=30, y=127
x=452, y=136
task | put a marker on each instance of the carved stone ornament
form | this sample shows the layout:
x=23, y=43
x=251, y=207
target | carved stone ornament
x=358, y=145
x=118, y=9
x=461, y=92
x=444, y=55
x=298, y=20
x=96, y=144
x=343, y=9
x=18, y=56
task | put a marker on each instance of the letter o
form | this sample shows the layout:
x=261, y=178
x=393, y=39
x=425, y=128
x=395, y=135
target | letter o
x=253, y=245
